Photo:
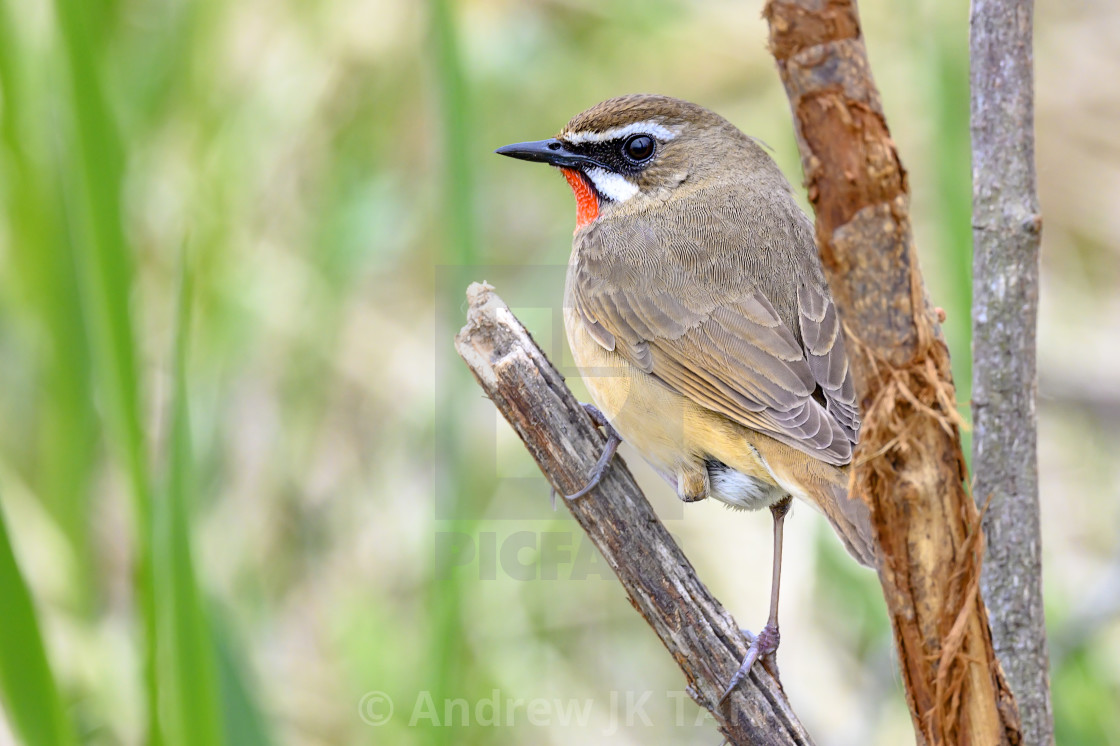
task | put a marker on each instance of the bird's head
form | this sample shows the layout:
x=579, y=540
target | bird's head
x=628, y=152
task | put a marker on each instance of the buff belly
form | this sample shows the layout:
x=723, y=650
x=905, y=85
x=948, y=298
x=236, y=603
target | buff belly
x=702, y=454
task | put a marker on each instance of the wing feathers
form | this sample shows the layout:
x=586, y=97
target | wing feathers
x=828, y=360
x=699, y=325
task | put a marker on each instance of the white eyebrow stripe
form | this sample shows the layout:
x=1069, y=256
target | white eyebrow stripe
x=615, y=187
x=660, y=131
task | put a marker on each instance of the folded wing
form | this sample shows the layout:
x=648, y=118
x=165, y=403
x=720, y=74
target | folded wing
x=720, y=340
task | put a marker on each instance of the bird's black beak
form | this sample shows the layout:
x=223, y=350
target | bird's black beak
x=551, y=151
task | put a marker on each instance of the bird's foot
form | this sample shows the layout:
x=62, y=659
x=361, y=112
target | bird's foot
x=614, y=440
x=763, y=645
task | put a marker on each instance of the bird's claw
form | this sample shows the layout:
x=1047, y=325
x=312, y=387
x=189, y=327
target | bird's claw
x=600, y=468
x=763, y=645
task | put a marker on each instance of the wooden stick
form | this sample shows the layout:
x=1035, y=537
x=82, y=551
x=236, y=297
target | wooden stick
x=1006, y=235
x=694, y=627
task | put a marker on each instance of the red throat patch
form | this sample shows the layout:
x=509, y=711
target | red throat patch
x=587, y=203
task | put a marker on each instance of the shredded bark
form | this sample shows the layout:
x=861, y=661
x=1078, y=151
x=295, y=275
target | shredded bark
x=909, y=467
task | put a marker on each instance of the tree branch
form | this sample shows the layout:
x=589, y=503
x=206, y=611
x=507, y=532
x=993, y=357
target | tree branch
x=1006, y=228
x=694, y=627
x=909, y=467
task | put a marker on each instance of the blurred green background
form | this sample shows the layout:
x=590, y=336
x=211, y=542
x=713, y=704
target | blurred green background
x=248, y=495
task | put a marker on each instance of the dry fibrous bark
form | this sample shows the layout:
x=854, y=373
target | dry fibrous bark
x=909, y=467
x=1006, y=233
x=660, y=582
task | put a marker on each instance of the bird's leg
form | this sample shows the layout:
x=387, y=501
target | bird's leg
x=614, y=440
x=765, y=643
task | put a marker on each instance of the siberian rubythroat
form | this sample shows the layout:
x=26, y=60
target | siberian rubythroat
x=698, y=313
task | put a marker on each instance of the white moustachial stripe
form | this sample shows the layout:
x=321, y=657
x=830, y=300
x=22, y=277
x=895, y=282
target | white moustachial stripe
x=614, y=187
x=660, y=131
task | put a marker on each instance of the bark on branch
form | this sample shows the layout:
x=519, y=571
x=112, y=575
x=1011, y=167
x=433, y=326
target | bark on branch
x=694, y=627
x=1006, y=228
x=909, y=467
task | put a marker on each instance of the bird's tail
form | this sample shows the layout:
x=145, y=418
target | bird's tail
x=851, y=519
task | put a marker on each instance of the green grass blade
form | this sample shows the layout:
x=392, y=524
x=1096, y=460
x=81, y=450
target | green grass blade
x=455, y=128
x=191, y=694
x=244, y=724
x=458, y=248
x=106, y=284
x=43, y=279
x=30, y=694
x=954, y=189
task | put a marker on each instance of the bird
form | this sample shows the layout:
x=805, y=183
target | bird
x=700, y=318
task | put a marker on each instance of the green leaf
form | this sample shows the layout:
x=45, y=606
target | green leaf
x=105, y=275
x=42, y=275
x=30, y=695
x=244, y=724
x=187, y=665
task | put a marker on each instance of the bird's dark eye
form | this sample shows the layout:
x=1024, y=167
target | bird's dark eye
x=638, y=148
